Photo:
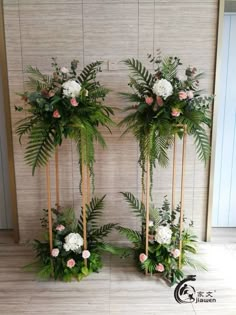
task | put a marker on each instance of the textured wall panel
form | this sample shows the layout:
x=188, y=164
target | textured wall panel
x=110, y=31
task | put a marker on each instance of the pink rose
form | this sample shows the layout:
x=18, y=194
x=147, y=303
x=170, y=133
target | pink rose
x=148, y=100
x=175, y=112
x=86, y=254
x=55, y=252
x=56, y=114
x=74, y=102
x=190, y=94
x=182, y=95
x=60, y=227
x=70, y=263
x=159, y=101
x=160, y=268
x=175, y=252
x=51, y=93
x=64, y=70
x=142, y=258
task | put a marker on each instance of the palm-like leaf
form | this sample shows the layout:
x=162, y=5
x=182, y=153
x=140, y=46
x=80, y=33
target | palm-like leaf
x=25, y=126
x=140, y=73
x=89, y=72
x=40, y=146
x=136, y=205
x=132, y=235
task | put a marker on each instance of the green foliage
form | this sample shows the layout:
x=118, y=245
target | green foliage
x=65, y=223
x=53, y=118
x=156, y=119
x=161, y=254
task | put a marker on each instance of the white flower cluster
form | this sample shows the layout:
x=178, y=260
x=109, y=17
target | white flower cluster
x=71, y=88
x=162, y=88
x=163, y=235
x=73, y=241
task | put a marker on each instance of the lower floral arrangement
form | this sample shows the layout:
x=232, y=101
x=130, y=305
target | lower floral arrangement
x=164, y=256
x=66, y=261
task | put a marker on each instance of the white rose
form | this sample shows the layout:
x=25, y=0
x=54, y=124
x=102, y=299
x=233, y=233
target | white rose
x=71, y=88
x=151, y=223
x=163, y=235
x=162, y=88
x=73, y=242
x=55, y=252
x=64, y=70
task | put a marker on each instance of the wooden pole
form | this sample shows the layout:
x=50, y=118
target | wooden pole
x=88, y=184
x=147, y=205
x=49, y=206
x=84, y=200
x=57, y=178
x=182, y=194
x=174, y=175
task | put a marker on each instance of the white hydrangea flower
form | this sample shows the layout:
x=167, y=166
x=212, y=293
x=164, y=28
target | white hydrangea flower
x=71, y=88
x=73, y=241
x=162, y=88
x=163, y=235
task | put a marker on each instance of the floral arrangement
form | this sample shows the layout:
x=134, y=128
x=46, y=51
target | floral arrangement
x=162, y=105
x=66, y=260
x=66, y=104
x=164, y=238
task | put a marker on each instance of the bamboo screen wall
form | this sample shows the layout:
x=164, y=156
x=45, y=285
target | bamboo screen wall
x=91, y=30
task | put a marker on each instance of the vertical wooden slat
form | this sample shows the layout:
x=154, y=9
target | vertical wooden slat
x=147, y=201
x=48, y=185
x=174, y=175
x=57, y=178
x=84, y=197
x=182, y=193
x=88, y=184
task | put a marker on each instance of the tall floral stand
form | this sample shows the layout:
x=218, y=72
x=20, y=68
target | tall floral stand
x=146, y=191
x=85, y=189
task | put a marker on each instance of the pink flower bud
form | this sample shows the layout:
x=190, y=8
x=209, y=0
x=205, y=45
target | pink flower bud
x=56, y=114
x=74, y=102
x=182, y=95
x=70, y=263
x=55, y=252
x=142, y=258
x=86, y=254
x=190, y=94
x=64, y=70
x=148, y=100
x=160, y=101
x=160, y=268
x=60, y=228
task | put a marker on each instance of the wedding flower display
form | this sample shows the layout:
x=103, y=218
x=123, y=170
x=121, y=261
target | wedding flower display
x=65, y=104
x=67, y=258
x=164, y=239
x=162, y=105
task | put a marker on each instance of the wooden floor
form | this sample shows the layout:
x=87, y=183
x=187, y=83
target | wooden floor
x=117, y=289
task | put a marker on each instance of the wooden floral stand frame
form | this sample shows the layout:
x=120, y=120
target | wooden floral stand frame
x=85, y=187
x=146, y=196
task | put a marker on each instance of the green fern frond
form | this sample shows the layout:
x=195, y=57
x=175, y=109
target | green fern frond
x=89, y=72
x=142, y=75
x=203, y=147
x=169, y=67
x=136, y=205
x=132, y=235
x=40, y=146
x=115, y=250
x=102, y=231
x=37, y=80
x=25, y=126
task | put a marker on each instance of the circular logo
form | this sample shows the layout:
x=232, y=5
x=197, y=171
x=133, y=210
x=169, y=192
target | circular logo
x=185, y=293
